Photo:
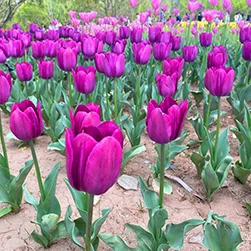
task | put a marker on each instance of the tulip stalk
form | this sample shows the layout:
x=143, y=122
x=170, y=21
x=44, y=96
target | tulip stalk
x=38, y=174
x=89, y=223
x=217, y=130
x=115, y=100
x=138, y=94
x=3, y=144
x=70, y=90
x=248, y=73
x=162, y=175
x=107, y=93
x=208, y=111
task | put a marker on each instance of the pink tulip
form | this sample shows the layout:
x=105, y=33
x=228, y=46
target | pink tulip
x=133, y=3
x=155, y=4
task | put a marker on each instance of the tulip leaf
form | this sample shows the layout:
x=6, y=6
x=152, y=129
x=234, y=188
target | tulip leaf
x=248, y=206
x=210, y=179
x=132, y=152
x=70, y=228
x=157, y=220
x=116, y=243
x=29, y=197
x=175, y=233
x=5, y=210
x=240, y=172
x=223, y=169
x=40, y=239
x=167, y=186
x=151, y=199
x=99, y=222
x=145, y=239
x=15, y=189
x=80, y=199
x=199, y=162
x=5, y=177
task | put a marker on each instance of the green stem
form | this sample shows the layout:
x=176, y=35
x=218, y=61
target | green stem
x=138, y=106
x=217, y=131
x=70, y=90
x=107, y=94
x=3, y=144
x=89, y=222
x=208, y=111
x=115, y=100
x=162, y=175
x=20, y=90
x=39, y=179
x=248, y=73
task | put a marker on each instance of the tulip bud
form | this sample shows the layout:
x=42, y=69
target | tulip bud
x=165, y=121
x=46, y=69
x=172, y=65
x=206, y=39
x=217, y=57
x=84, y=79
x=124, y=32
x=167, y=85
x=26, y=121
x=154, y=34
x=176, y=41
x=219, y=81
x=161, y=51
x=136, y=35
x=24, y=71
x=189, y=53
x=141, y=53
x=67, y=58
x=114, y=65
x=37, y=49
x=5, y=87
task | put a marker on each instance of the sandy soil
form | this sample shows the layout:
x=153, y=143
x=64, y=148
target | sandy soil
x=125, y=205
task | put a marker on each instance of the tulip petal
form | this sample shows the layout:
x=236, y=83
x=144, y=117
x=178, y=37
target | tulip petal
x=103, y=166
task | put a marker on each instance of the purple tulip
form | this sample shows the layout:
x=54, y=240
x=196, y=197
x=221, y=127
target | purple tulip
x=26, y=39
x=39, y=35
x=110, y=37
x=46, y=69
x=133, y=3
x=50, y=48
x=166, y=37
x=124, y=32
x=141, y=53
x=167, y=85
x=84, y=79
x=217, y=57
x=227, y=5
x=3, y=55
x=136, y=35
x=52, y=35
x=161, y=51
x=176, y=41
x=26, y=121
x=245, y=34
x=119, y=46
x=206, y=39
x=154, y=34
x=171, y=65
x=246, y=51
x=189, y=53
x=94, y=157
x=155, y=4
x=24, y=71
x=67, y=58
x=99, y=62
x=84, y=116
x=5, y=87
x=114, y=65
x=213, y=2
x=33, y=28
x=89, y=46
x=37, y=49
x=165, y=121
x=194, y=6
x=219, y=81
x=16, y=48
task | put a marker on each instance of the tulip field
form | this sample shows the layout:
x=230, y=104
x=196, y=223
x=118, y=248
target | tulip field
x=121, y=134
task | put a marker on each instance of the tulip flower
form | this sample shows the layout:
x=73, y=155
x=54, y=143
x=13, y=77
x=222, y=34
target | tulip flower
x=166, y=37
x=50, y=48
x=89, y=46
x=165, y=121
x=217, y=57
x=189, y=53
x=154, y=34
x=24, y=71
x=37, y=49
x=176, y=41
x=141, y=53
x=246, y=51
x=133, y=3
x=16, y=48
x=227, y=5
x=119, y=46
x=194, y=6
x=172, y=65
x=110, y=37
x=99, y=62
x=26, y=121
x=84, y=116
x=84, y=79
x=124, y=32
x=155, y=4
x=46, y=69
x=3, y=56
x=161, y=51
x=167, y=85
x=66, y=58
x=245, y=34
x=219, y=81
x=206, y=39
x=136, y=35
x=213, y=2
x=248, y=2
x=94, y=157
x=5, y=87
x=114, y=65
x=39, y=35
